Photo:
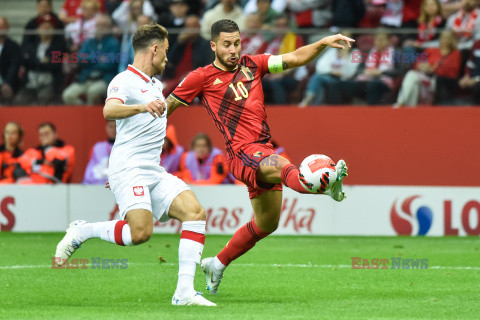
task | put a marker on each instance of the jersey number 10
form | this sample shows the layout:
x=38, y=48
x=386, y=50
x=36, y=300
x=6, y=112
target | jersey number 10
x=241, y=88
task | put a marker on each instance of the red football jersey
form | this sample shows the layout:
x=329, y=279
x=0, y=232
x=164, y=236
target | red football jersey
x=234, y=99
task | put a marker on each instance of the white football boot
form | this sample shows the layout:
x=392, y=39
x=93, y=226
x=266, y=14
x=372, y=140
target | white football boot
x=336, y=191
x=70, y=242
x=212, y=275
x=196, y=299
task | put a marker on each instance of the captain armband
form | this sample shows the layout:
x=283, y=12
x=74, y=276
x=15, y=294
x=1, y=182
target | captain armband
x=275, y=64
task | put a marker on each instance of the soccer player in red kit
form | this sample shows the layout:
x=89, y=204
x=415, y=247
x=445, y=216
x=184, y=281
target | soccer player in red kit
x=231, y=90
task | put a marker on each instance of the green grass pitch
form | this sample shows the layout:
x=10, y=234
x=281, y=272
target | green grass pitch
x=305, y=277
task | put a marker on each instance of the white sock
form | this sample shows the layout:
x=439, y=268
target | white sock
x=218, y=264
x=106, y=231
x=189, y=254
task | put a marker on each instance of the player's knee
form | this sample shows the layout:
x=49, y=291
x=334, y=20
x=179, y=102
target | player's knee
x=282, y=162
x=141, y=235
x=268, y=225
x=271, y=227
x=197, y=214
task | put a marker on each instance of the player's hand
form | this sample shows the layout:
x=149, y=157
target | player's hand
x=155, y=108
x=337, y=40
x=107, y=185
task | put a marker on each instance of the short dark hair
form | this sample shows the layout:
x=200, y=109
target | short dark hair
x=47, y=124
x=223, y=25
x=147, y=34
x=49, y=1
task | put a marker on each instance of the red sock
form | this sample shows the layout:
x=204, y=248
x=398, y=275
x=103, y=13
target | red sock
x=290, y=178
x=243, y=240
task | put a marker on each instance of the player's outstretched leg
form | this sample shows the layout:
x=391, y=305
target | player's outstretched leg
x=136, y=229
x=291, y=178
x=186, y=209
x=266, y=209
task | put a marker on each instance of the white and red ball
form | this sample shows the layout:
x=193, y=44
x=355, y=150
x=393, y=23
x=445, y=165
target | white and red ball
x=317, y=173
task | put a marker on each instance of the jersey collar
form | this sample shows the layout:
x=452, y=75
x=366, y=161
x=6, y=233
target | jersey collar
x=138, y=73
x=224, y=69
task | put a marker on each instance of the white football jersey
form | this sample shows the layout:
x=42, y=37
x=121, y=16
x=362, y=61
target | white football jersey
x=140, y=137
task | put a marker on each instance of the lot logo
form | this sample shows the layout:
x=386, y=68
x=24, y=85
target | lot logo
x=404, y=222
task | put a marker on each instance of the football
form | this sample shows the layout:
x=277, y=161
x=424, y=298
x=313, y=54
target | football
x=317, y=173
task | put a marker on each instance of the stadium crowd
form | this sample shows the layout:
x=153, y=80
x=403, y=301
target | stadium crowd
x=422, y=52
x=53, y=160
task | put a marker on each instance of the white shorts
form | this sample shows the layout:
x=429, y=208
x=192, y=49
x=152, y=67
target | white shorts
x=152, y=189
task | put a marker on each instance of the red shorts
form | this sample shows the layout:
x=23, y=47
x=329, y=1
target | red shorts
x=244, y=167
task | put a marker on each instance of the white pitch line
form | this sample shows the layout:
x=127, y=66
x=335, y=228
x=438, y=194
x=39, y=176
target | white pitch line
x=265, y=265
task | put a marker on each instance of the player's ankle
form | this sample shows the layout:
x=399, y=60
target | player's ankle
x=218, y=264
x=184, y=285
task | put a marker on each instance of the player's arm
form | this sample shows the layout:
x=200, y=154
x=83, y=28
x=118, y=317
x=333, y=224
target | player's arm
x=306, y=54
x=116, y=109
x=172, y=104
x=186, y=91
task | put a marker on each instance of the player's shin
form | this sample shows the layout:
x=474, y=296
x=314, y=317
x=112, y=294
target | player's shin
x=290, y=178
x=115, y=231
x=243, y=240
x=190, y=251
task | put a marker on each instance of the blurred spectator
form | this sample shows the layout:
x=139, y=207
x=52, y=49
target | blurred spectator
x=311, y=13
x=83, y=28
x=392, y=15
x=204, y=164
x=429, y=22
x=333, y=66
x=449, y=7
x=277, y=6
x=44, y=77
x=347, y=13
x=379, y=71
x=51, y=162
x=399, y=13
x=373, y=14
x=171, y=151
x=96, y=171
x=10, y=151
x=126, y=53
x=471, y=79
x=465, y=23
x=253, y=41
x=226, y=9
x=410, y=13
x=174, y=18
x=266, y=12
x=126, y=17
x=72, y=10
x=191, y=51
x=44, y=7
x=279, y=84
x=10, y=59
x=442, y=64
x=99, y=64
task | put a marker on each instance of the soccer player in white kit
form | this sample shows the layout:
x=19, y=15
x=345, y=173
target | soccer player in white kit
x=142, y=188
